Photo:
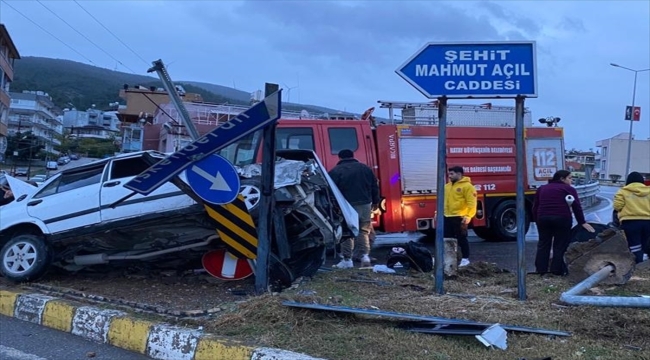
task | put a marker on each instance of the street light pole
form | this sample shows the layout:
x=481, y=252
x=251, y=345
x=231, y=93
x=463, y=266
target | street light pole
x=629, y=143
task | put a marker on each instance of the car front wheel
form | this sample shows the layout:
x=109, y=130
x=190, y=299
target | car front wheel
x=25, y=258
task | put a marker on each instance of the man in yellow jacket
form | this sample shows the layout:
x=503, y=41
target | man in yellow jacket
x=460, y=208
x=632, y=203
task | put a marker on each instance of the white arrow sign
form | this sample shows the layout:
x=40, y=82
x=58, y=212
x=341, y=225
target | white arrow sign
x=218, y=182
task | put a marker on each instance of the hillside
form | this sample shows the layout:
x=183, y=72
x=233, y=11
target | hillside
x=69, y=82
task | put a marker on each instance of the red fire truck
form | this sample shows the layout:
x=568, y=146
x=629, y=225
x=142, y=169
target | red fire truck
x=402, y=150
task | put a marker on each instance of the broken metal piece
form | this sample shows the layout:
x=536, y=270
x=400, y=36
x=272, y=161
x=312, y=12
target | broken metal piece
x=495, y=335
x=422, y=320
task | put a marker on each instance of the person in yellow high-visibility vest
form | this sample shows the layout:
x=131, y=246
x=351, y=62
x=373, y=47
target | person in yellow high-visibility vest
x=460, y=208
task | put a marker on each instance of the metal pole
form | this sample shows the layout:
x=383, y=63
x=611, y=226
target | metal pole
x=573, y=296
x=159, y=68
x=521, y=204
x=440, y=188
x=629, y=143
x=267, y=203
x=29, y=161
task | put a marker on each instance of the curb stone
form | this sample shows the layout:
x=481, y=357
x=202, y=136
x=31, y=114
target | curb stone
x=158, y=341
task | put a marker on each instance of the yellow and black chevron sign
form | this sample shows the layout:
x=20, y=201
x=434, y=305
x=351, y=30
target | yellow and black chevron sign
x=235, y=227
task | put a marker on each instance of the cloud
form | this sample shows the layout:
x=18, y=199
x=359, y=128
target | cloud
x=362, y=33
x=518, y=21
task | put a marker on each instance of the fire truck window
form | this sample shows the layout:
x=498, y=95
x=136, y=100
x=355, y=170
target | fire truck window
x=343, y=138
x=294, y=138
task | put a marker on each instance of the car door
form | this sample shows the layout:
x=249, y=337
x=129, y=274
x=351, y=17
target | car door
x=70, y=201
x=166, y=198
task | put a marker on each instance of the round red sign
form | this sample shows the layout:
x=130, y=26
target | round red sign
x=226, y=266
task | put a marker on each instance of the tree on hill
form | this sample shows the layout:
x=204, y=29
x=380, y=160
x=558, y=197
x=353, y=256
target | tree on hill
x=71, y=83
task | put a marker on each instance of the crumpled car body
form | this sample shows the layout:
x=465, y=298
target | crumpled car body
x=70, y=221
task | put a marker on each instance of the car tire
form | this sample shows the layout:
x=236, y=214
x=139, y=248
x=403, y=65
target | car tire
x=251, y=190
x=32, y=253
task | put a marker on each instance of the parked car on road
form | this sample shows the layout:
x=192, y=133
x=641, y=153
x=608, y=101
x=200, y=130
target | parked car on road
x=68, y=221
x=20, y=172
x=39, y=179
x=63, y=160
x=52, y=165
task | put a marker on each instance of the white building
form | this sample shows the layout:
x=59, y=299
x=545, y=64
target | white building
x=92, y=123
x=612, y=156
x=34, y=111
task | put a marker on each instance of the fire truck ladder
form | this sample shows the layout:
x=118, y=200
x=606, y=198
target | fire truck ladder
x=426, y=113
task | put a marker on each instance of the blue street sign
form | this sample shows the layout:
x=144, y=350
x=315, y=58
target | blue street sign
x=473, y=70
x=214, y=179
x=257, y=117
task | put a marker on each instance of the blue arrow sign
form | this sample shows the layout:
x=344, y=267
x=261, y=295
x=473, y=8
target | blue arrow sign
x=257, y=117
x=473, y=70
x=214, y=179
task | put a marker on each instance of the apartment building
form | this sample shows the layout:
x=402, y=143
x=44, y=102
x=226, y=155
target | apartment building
x=141, y=105
x=34, y=111
x=92, y=123
x=8, y=53
x=612, y=156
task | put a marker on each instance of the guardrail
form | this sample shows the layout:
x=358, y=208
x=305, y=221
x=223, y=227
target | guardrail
x=619, y=183
x=587, y=193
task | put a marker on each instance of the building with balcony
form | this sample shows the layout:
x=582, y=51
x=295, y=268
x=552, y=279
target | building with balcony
x=141, y=105
x=34, y=111
x=612, y=156
x=8, y=53
x=580, y=162
x=92, y=123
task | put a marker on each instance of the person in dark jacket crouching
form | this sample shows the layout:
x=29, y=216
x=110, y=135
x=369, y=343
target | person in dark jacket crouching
x=552, y=213
x=358, y=184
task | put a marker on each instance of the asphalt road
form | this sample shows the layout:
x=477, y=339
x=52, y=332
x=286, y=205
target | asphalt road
x=504, y=254
x=21, y=340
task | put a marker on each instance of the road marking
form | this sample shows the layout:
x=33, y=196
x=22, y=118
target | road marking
x=172, y=342
x=30, y=307
x=7, y=302
x=9, y=353
x=93, y=323
x=218, y=182
x=130, y=334
x=58, y=315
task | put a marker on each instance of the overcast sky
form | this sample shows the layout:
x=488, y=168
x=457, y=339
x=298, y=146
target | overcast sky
x=344, y=54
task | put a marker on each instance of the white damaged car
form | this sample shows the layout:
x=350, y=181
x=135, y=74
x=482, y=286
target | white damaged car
x=68, y=221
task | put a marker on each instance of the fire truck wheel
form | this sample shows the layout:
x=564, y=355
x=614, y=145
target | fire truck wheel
x=504, y=222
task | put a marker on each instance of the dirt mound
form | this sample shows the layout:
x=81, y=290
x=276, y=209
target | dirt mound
x=481, y=269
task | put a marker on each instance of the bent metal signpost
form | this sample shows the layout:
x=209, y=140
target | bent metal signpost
x=476, y=70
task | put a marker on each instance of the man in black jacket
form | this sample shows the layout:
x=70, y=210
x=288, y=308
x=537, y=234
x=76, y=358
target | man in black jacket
x=359, y=186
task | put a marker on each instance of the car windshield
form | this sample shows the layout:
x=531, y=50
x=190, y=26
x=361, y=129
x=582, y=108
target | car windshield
x=242, y=152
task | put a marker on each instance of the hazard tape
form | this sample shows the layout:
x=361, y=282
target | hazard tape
x=235, y=227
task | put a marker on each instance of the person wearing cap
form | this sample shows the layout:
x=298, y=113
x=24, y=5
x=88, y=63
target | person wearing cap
x=552, y=213
x=359, y=186
x=632, y=204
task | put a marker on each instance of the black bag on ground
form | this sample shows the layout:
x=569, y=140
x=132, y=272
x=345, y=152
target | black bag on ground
x=413, y=255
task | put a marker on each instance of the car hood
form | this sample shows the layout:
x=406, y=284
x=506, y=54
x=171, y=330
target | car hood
x=20, y=187
x=288, y=172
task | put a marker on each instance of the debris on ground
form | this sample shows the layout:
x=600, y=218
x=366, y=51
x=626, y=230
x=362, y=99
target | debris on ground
x=597, y=333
